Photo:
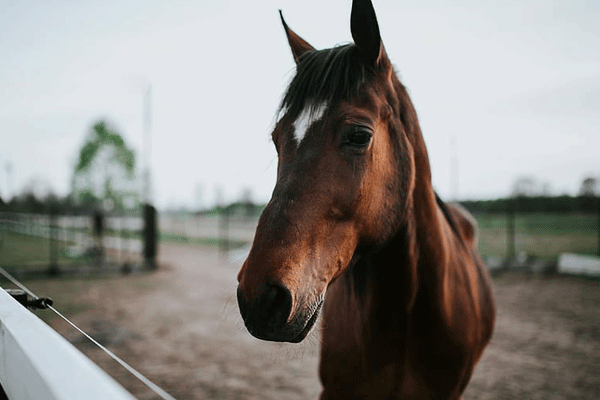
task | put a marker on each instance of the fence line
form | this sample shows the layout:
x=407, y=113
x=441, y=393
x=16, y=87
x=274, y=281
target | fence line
x=65, y=243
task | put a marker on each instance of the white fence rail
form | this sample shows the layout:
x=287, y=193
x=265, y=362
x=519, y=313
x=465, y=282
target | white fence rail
x=576, y=264
x=38, y=363
x=200, y=226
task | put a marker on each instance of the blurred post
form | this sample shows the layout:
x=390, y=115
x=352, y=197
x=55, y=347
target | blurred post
x=598, y=206
x=147, y=144
x=53, y=269
x=118, y=217
x=150, y=228
x=510, y=241
x=98, y=226
x=123, y=244
x=224, y=234
x=72, y=235
x=150, y=232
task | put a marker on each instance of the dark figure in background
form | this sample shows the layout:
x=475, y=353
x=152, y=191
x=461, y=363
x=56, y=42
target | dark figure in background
x=98, y=249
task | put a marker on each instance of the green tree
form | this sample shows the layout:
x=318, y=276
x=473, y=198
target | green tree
x=105, y=170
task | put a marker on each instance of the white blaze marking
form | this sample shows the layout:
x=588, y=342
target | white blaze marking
x=307, y=117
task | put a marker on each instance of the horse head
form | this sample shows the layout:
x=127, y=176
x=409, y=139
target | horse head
x=346, y=168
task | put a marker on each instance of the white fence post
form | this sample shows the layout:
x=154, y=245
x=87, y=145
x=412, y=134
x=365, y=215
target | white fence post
x=38, y=363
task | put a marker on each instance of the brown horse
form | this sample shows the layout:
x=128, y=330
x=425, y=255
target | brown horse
x=355, y=227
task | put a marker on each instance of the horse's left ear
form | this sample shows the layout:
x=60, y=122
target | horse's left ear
x=365, y=32
x=298, y=45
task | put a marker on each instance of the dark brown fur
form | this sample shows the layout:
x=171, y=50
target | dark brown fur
x=408, y=303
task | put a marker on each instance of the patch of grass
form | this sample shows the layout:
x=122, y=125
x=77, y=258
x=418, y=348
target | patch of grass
x=18, y=249
x=541, y=235
x=22, y=250
x=495, y=243
x=542, y=223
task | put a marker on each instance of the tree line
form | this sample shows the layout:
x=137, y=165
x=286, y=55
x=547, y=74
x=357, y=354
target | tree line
x=29, y=203
x=585, y=203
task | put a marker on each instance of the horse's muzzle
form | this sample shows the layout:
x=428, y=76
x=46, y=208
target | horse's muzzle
x=268, y=318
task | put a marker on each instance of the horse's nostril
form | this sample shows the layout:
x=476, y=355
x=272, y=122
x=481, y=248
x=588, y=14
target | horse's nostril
x=267, y=315
x=275, y=304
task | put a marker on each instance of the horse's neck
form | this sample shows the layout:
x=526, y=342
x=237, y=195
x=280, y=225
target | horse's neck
x=426, y=241
x=419, y=255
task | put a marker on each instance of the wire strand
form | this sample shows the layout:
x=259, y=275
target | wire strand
x=151, y=385
x=17, y=283
x=156, y=389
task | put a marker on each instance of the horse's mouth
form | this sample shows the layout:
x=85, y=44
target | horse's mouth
x=293, y=332
x=309, y=324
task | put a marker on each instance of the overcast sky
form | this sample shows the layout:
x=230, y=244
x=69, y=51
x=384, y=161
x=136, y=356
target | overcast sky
x=515, y=83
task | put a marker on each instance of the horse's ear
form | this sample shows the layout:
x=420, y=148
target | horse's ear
x=299, y=46
x=365, y=32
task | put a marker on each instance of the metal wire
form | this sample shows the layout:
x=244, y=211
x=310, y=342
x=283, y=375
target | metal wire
x=152, y=386
x=129, y=368
x=17, y=283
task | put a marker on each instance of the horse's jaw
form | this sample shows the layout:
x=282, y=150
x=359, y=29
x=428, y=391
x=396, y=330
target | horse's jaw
x=310, y=323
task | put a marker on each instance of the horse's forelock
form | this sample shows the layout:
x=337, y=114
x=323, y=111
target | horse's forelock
x=325, y=76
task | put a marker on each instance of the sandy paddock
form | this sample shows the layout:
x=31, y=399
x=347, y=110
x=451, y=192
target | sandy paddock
x=181, y=328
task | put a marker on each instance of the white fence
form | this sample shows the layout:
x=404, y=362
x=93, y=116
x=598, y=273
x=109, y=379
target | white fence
x=38, y=363
x=575, y=264
x=79, y=231
x=76, y=231
x=201, y=226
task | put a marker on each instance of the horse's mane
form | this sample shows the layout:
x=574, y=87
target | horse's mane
x=325, y=76
x=448, y=216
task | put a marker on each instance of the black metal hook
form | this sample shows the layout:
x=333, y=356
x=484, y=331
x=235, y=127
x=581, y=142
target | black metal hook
x=41, y=303
x=38, y=303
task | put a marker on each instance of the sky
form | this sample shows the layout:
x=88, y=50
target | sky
x=507, y=89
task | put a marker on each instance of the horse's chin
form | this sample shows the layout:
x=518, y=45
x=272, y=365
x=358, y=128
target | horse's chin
x=310, y=323
x=294, y=332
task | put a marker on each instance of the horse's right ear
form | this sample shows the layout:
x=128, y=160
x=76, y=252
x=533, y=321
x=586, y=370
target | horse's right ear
x=365, y=32
x=298, y=45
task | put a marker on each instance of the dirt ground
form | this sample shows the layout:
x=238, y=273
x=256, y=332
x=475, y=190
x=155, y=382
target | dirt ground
x=181, y=328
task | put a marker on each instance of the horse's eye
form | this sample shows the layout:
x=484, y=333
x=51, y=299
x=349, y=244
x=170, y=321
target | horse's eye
x=358, y=137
